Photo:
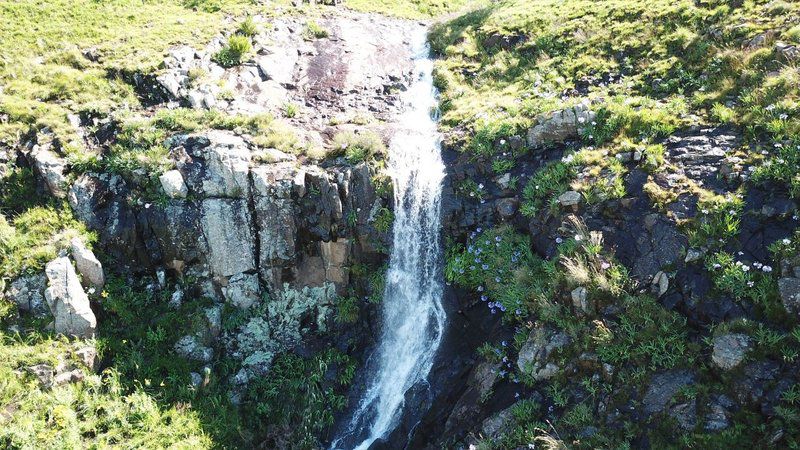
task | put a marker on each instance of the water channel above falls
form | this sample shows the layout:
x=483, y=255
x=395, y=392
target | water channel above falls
x=413, y=318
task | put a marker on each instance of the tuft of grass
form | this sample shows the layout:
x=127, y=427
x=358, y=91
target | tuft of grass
x=358, y=147
x=234, y=52
x=313, y=30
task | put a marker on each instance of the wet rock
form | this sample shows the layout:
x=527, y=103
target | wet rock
x=485, y=377
x=67, y=301
x=88, y=265
x=173, y=185
x=242, y=290
x=790, y=294
x=534, y=354
x=227, y=230
x=663, y=388
x=560, y=126
x=730, y=350
x=28, y=293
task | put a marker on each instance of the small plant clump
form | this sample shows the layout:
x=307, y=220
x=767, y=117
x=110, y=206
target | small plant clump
x=234, y=51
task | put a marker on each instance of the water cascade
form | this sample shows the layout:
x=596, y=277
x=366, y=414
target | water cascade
x=413, y=316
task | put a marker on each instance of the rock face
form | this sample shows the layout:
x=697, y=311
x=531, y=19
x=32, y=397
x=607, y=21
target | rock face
x=227, y=230
x=68, y=303
x=534, y=355
x=730, y=350
x=560, y=126
x=88, y=265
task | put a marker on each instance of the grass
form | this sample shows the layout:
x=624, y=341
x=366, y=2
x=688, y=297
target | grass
x=46, y=76
x=413, y=9
x=358, y=147
x=234, y=52
x=96, y=411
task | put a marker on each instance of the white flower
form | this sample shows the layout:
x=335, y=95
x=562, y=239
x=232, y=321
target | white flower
x=750, y=284
x=783, y=116
x=766, y=269
x=786, y=242
x=746, y=268
x=578, y=237
x=502, y=142
x=581, y=119
x=559, y=240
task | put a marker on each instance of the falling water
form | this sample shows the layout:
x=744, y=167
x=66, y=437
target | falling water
x=413, y=316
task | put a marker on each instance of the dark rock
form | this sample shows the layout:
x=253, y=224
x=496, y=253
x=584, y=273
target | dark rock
x=663, y=387
x=506, y=207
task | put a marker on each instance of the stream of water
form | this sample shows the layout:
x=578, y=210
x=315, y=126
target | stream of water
x=413, y=316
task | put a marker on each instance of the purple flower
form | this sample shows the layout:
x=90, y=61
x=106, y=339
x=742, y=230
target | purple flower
x=484, y=298
x=497, y=279
x=485, y=267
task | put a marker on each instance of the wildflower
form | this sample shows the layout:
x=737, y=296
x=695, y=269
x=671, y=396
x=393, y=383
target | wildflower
x=480, y=288
x=484, y=298
x=605, y=265
x=786, y=242
x=578, y=237
x=766, y=269
x=717, y=266
x=497, y=279
x=502, y=142
x=746, y=268
x=559, y=240
x=498, y=239
x=485, y=267
x=480, y=186
x=783, y=116
x=750, y=284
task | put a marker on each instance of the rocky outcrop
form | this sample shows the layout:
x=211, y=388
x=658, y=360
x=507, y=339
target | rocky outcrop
x=226, y=226
x=50, y=167
x=534, y=356
x=67, y=301
x=561, y=126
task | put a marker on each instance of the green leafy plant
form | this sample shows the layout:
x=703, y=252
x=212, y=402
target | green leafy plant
x=234, y=51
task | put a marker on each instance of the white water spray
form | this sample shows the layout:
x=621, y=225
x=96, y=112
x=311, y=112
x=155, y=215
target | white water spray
x=413, y=316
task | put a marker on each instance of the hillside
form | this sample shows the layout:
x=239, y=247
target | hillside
x=197, y=213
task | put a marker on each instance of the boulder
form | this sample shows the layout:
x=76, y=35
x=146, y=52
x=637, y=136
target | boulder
x=660, y=284
x=190, y=347
x=51, y=168
x=173, y=185
x=730, y=350
x=718, y=413
x=560, y=126
x=534, y=354
x=242, y=290
x=28, y=294
x=227, y=229
x=506, y=207
x=569, y=198
x=67, y=301
x=663, y=387
x=88, y=265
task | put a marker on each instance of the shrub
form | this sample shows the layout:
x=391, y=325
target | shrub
x=547, y=184
x=384, y=220
x=234, y=51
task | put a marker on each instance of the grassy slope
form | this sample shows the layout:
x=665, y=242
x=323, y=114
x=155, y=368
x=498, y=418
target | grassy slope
x=653, y=67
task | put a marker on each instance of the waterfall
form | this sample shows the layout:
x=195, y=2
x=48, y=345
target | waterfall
x=413, y=316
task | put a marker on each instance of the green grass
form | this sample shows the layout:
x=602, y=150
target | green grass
x=46, y=77
x=413, y=9
x=95, y=412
